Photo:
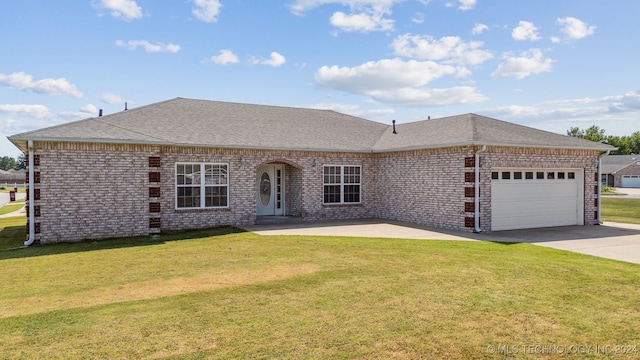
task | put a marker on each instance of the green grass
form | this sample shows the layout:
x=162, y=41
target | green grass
x=223, y=293
x=9, y=208
x=12, y=233
x=621, y=210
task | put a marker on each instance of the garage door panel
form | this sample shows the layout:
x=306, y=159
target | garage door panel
x=631, y=181
x=530, y=203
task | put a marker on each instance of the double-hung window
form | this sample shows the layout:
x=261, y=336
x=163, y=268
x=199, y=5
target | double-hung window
x=202, y=185
x=341, y=184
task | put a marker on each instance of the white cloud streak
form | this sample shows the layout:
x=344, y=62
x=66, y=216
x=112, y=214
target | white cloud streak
x=275, y=60
x=121, y=9
x=449, y=49
x=574, y=28
x=361, y=22
x=149, y=47
x=479, y=28
x=110, y=98
x=206, y=10
x=226, y=57
x=525, y=31
x=54, y=87
x=398, y=82
x=33, y=111
x=462, y=4
x=365, y=15
x=528, y=63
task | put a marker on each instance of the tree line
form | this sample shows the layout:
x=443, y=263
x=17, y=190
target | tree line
x=8, y=163
x=626, y=144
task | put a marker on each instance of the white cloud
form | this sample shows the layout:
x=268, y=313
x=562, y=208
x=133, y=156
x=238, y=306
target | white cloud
x=86, y=111
x=110, y=98
x=34, y=111
x=396, y=81
x=574, y=28
x=121, y=9
x=361, y=22
x=450, y=49
x=418, y=18
x=22, y=81
x=463, y=4
x=299, y=7
x=618, y=114
x=467, y=4
x=206, y=10
x=479, y=28
x=149, y=47
x=226, y=57
x=528, y=63
x=365, y=15
x=628, y=102
x=525, y=31
x=275, y=60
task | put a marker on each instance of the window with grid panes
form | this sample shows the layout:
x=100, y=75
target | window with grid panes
x=341, y=184
x=202, y=185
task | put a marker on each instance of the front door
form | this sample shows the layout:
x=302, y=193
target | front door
x=270, y=190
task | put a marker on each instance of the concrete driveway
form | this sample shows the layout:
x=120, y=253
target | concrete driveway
x=628, y=193
x=611, y=240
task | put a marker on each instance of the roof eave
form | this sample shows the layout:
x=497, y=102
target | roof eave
x=479, y=143
x=18, y=141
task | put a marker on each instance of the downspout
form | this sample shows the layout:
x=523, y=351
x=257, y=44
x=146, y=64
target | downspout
x=476, y=215
x=32, y=217
x=600, y=185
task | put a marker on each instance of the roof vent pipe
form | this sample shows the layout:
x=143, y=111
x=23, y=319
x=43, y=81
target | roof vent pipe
x=394, y=126
x=100, y=112
x=125, y=107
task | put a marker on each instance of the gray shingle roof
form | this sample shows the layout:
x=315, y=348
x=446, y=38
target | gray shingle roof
x=614, y=163
x=472, y=129
x=188, y=122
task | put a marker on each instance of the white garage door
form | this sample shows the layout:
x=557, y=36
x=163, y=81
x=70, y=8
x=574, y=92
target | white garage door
x=531, y=198
x=631, y=181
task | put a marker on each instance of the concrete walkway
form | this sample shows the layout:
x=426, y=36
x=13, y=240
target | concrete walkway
x=611, y=240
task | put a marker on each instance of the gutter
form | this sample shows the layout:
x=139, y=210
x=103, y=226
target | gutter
x=599, y=209
x=477, y=190
x=32, y=217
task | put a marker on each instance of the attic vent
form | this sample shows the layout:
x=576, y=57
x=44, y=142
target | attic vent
x=394, y=126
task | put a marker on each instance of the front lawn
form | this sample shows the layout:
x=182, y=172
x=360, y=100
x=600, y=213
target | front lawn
x=223, y=293
x=621, y=210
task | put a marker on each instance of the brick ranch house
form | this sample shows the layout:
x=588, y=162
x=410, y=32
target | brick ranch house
x=621, y=171
x=184, y=164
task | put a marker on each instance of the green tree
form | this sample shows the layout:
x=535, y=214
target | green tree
x=21, y=162
x=625, y=144
x=7, y=162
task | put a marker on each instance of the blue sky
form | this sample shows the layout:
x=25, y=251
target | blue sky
x=545, y=64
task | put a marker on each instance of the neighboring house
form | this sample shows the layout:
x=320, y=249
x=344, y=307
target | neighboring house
x=621, y=171
x=12, y=177
x=184, y=164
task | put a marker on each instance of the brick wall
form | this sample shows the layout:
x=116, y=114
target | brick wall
x=91, y=191
x=424, y=187
x=632, y=169
x=95, y=191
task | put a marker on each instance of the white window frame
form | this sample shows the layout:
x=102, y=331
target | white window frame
x=203, y=185
x=342, y=184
